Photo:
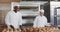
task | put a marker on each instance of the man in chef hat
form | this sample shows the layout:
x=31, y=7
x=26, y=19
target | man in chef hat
x=40, y=20
x=14, y=18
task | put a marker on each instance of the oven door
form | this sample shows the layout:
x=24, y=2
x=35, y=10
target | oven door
x=57, y=16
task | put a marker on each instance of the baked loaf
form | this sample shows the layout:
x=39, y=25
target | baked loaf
x=32, y=29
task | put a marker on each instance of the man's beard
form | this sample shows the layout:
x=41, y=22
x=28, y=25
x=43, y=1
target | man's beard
x=15, y=11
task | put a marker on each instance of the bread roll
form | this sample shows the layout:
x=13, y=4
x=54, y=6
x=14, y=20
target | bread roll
x=4, y=30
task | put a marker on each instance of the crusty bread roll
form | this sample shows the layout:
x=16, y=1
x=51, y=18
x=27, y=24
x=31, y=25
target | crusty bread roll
x=4, y=30
x=31, y=29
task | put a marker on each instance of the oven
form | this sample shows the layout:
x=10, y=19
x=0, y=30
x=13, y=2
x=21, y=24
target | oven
x=57, y=16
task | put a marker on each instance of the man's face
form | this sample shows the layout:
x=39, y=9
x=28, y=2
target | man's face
x=16, y=8
x=41, y=13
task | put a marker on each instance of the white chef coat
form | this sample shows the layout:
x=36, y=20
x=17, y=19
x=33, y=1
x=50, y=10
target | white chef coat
x=40, y=21
x=14, y=19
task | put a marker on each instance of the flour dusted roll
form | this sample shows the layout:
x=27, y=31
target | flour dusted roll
x=19, y=30
x=10, y=30
x=24, y=30
x=4, y=30
x=7, y=31
x=31, y=29
x=35, y=29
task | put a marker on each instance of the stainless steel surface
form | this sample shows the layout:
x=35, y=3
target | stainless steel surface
x=54, y=13
x=58, y=16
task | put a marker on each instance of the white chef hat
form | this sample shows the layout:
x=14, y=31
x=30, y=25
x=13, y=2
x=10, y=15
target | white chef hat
x=16, y=5
x=41, y=10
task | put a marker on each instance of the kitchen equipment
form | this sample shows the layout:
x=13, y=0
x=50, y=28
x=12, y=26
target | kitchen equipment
x=55, y=13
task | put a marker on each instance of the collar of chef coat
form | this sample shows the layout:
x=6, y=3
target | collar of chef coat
x=14, y=12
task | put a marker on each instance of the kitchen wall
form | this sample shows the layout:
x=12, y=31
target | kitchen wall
x=5, y=6
x=9, y=1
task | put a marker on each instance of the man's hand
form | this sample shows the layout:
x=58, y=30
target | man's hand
x=20, y=26
x=12, y=27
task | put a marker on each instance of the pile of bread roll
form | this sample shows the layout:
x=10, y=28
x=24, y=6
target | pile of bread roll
x=11, y=30
x=31, y=29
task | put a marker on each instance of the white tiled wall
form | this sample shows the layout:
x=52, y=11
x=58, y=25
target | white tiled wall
x=4, y=8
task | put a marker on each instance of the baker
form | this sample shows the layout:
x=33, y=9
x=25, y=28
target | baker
x=14, y=18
